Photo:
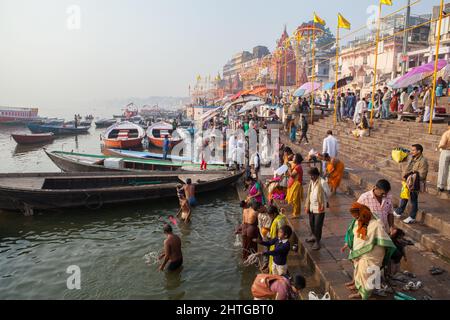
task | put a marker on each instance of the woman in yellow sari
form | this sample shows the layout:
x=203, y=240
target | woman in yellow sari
x=370, y=249
x=294, y=194
x=335, y=172
x=278, y=221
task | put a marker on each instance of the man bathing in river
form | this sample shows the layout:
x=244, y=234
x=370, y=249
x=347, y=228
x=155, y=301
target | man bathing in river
x=172, y=251
x=189, y=191
x=185, y=208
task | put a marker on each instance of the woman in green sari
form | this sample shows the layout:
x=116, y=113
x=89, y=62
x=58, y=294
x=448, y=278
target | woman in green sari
x=370, y=249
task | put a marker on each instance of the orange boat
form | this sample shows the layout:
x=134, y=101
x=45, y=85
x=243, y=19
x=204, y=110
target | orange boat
x=158, y=131
x=123, y=135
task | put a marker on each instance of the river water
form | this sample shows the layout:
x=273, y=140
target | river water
x=109, y=245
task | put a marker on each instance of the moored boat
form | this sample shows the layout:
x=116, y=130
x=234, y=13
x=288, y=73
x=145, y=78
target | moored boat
x=83, y=162
x=17, y=116
x=158, y=131
x=131, y=154
x=123, y=135
x=57, y=129
x=33, y=138
x=105, y=123
x=45, y=191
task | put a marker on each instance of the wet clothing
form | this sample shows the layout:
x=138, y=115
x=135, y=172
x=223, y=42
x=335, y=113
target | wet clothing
x=192, y=201
x=175, y=265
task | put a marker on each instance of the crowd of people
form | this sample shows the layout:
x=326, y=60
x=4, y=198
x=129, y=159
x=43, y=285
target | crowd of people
x=372, y=239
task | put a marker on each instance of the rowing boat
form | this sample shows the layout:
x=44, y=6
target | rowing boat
x=124, y=135
x=132, y=154
x=57, y=129
x=45, y=191
x=157, y=132
x=83, y=162
x=33, y=138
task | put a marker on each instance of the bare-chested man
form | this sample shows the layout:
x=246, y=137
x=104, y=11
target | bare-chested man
x=185, y=209
x=189, y=190
x=172, y=251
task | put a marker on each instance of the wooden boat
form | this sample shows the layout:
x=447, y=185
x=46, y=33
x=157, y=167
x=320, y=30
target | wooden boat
x=81, y=162
x=158, y=131
x=124, y=135
x=57, y=129
x=33, y=138
x=131, y=154
x=45, y=191
x=105, y=123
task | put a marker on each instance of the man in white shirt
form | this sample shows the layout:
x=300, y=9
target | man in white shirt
x=361, y=107
x=315, y=206
x=256, y=163
x=232, y=145
x=330, y=146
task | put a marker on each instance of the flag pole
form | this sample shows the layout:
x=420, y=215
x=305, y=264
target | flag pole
x=376, y=65
x=433, y=93
x=313, y=72
x=285, y=64
x=337, y=76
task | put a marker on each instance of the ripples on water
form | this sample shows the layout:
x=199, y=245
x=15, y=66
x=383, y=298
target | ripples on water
x=109, y=245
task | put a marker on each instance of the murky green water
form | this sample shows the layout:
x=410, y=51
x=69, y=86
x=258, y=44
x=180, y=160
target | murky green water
x=109, y=245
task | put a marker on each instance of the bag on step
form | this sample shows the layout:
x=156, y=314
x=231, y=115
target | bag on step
x=404, y=194
x=313, y=296
x=400, y=154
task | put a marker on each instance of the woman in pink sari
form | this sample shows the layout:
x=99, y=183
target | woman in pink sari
x=256, y=192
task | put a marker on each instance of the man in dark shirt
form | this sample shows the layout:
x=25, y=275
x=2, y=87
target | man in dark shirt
x=166, y=146
x=281, y=251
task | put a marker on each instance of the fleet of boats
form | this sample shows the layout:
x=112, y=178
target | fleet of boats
x=123, y=173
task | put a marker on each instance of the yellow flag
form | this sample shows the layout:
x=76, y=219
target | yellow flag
x=318, y=20
x=343, y=23
x=386, y=2
x=199, y=78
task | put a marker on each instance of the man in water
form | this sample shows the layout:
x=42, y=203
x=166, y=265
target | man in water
x=189, y=191
x=185, y=208
x=172, y=251
x=166, y=146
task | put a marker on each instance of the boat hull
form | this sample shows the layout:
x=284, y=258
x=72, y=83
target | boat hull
x=123, y=144
x=159, y=142
x=70, y=165
x=22, y=197
x=57, y=130
x=33, y=138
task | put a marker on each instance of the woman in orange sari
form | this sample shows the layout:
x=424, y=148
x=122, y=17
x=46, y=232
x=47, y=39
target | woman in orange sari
x=335, y=172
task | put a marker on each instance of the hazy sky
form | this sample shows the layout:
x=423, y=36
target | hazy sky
x=140, y=48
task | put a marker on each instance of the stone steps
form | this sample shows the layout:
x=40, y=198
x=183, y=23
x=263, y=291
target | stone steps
x=381, y=162
x=429, y=144
x=433, y=233
x=391, y=129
